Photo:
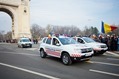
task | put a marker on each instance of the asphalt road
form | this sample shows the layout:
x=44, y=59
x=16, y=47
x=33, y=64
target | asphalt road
x=25, y=63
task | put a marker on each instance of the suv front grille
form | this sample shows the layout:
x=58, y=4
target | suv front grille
x=103, y=46
x=86, y=50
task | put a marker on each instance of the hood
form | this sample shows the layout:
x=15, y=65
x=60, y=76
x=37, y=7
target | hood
x=76, y=46
x=26, y=42
x=95, y=43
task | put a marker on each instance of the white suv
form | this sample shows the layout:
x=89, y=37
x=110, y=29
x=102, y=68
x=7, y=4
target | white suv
x=99, y=48
x=65, y=48
x=24, y=42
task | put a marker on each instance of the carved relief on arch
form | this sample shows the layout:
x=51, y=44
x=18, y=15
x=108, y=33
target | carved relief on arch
x=24, y=2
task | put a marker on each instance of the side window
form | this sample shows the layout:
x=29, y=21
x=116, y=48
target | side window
x=48, y=41
x=80, y=40
x=20, y=40
x=44, y=40
x=74, y=38
x=55, y=42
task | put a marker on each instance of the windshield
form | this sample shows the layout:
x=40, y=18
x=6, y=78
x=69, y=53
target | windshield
x=25, y=40
x=66, y=41
x=88, y=40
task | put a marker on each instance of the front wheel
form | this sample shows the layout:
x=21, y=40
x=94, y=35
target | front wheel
x=42, y=54
x=22, y=46
x=30, y=46
x=66, y=59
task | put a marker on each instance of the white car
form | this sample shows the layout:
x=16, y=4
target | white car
x=65, y=48
x=24, y=42
x=99, y=48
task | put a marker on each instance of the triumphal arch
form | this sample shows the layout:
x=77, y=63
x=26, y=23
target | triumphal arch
x=19, y=12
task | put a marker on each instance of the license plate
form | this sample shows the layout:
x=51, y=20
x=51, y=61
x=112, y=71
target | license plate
x=27, y=45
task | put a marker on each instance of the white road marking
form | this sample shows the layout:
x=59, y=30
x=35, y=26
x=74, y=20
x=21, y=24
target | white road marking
x=4, y=43
x=113, y=53
x=103, y=63
x=20, y=53
x=102, y=72
x=29, y=71
x=105, y=54
x=31, y=49
x=113, y=59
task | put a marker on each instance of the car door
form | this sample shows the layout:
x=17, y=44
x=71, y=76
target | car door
x=56, y=48
x=48, y=46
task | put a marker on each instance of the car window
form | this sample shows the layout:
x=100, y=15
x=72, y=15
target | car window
x=88, y=40
x=55, y=42
x=74, y=38
x=48, y=41
x=44, y=40
x=80, y=40
x=20, y=40
x=25, y=40
x=66, y=41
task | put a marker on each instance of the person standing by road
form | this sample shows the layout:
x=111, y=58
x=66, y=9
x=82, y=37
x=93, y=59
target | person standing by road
x=117, y=43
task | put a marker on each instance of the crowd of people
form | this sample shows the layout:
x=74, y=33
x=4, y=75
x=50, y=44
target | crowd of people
x=112, y=41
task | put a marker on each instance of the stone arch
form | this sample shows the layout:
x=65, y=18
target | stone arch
x=12, y=14
x=19, y=11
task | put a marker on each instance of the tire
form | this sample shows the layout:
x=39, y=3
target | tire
x=30, y=46
x=102, y=53
x=66, y=60
x=42, y=54
x=22, y=46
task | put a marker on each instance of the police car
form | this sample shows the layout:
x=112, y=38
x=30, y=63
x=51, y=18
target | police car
x=24, y=42
x=99, y=48
x=65, y=48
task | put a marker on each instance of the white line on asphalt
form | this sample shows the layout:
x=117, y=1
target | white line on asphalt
x=20, y=53
x=4, y=43
x=29, y=71
x=113, y=53
x=113, y=59
x=31, y=49
x=103, y=63
x=108, y=73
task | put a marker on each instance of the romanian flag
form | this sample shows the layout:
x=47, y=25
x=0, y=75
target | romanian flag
x=107, y=28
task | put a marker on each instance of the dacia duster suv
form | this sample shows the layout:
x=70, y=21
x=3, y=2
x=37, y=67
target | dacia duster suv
x=65, y=48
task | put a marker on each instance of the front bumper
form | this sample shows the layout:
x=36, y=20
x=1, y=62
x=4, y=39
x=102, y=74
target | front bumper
x=26, y=45
x=83, y=57
x=100, y=50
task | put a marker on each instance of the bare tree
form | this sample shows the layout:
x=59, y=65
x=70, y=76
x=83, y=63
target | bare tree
x=69, y=30
x=8, y=36
x=90, y=30
x=2, y=36
x=36, y=30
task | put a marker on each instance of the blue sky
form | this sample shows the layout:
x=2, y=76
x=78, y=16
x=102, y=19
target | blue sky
x=80, y=13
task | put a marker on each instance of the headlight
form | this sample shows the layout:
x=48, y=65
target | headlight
x=98, y=46
x=103, y=46
x=77, y=50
